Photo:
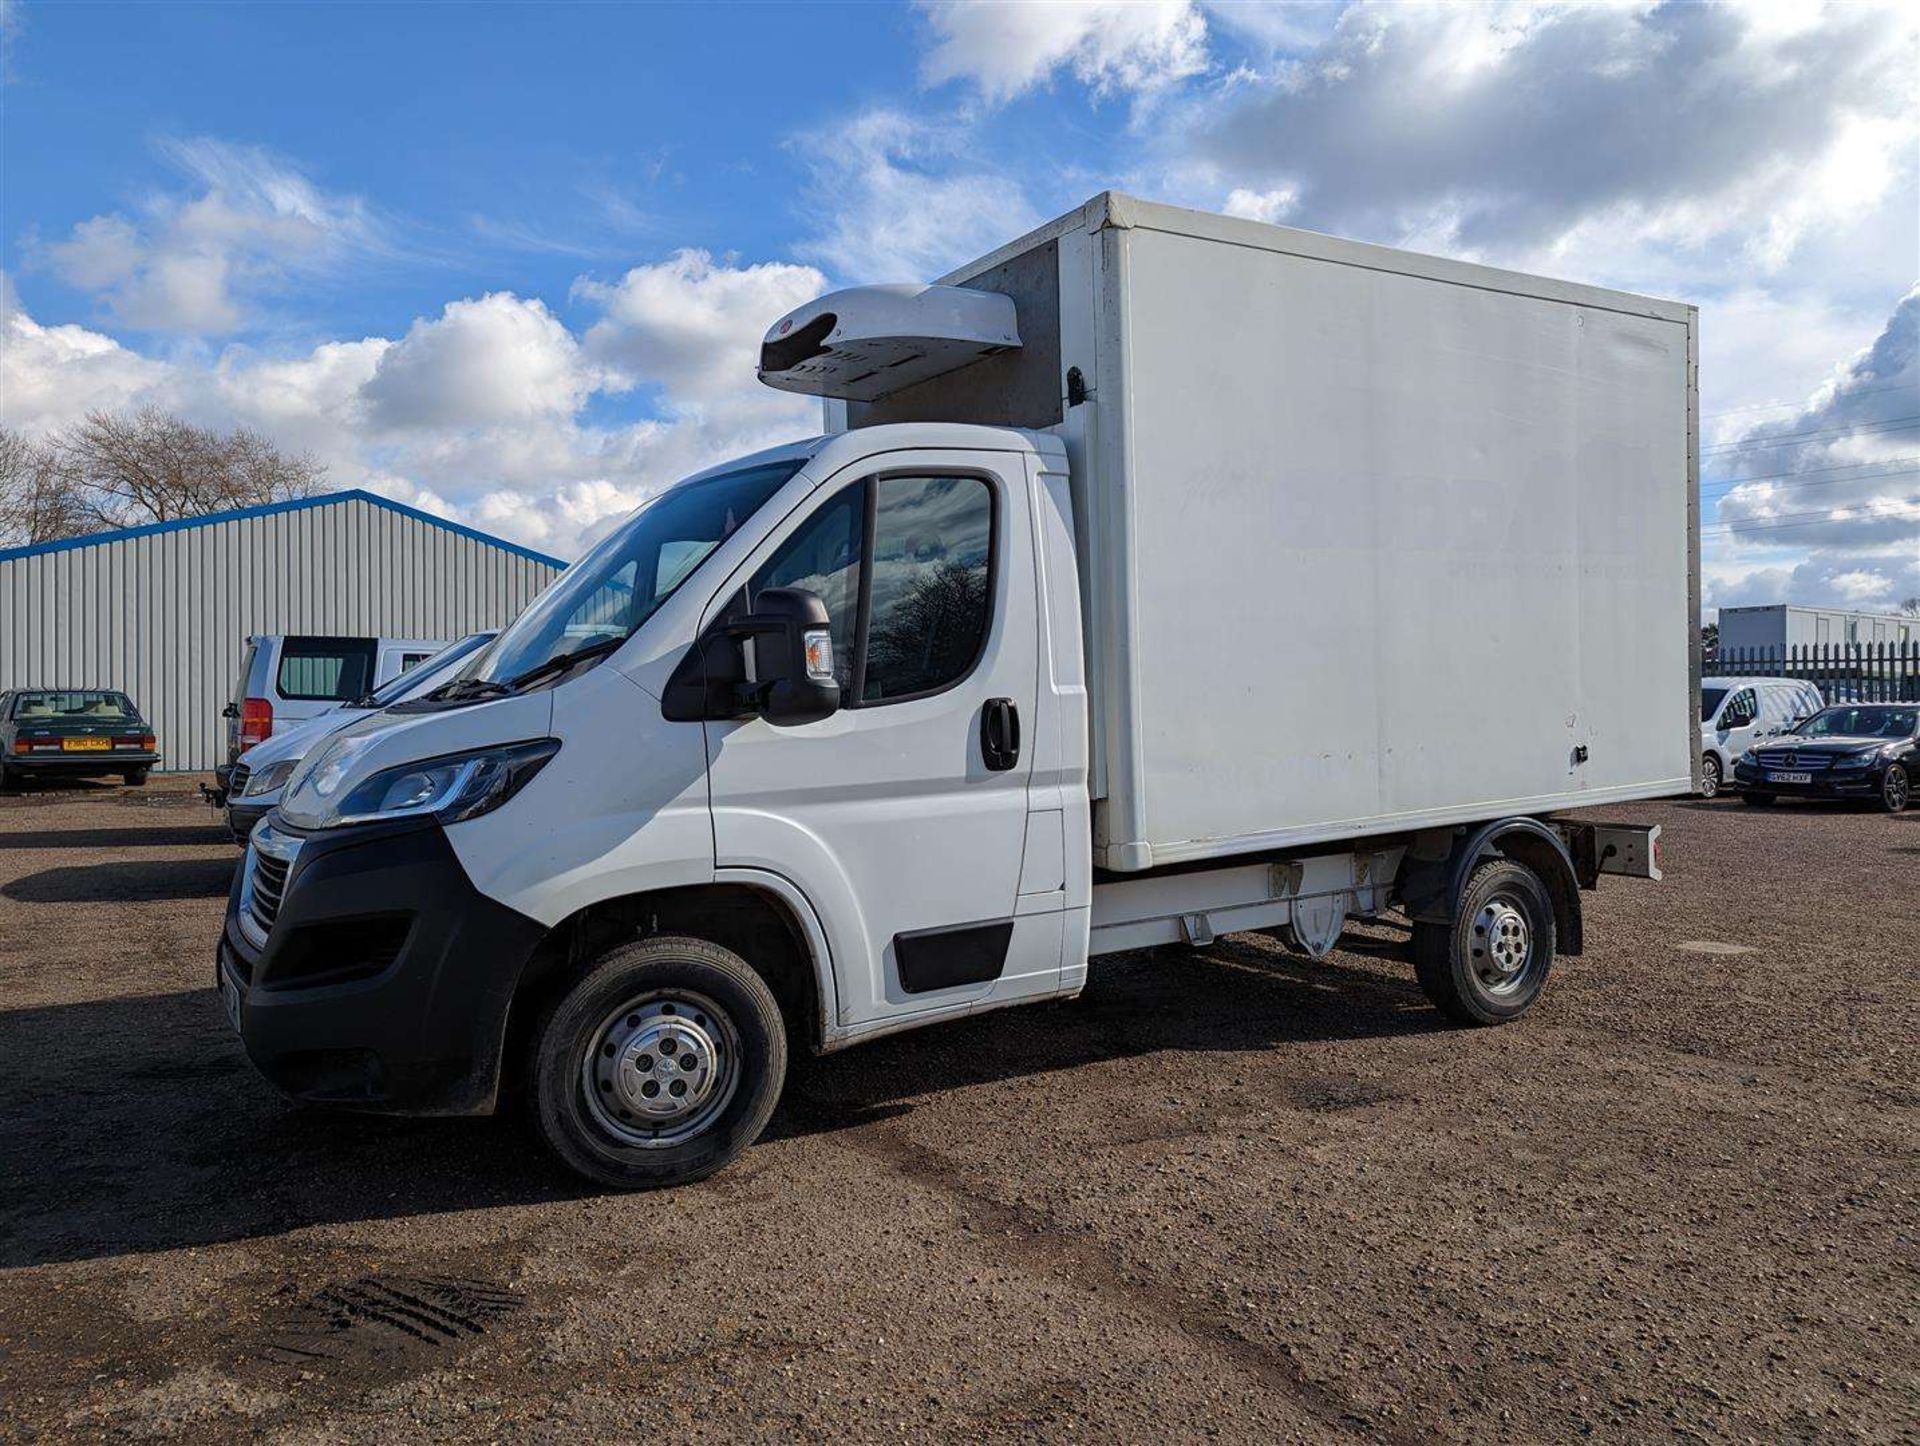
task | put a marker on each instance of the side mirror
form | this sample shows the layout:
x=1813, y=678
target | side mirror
x=792, y=646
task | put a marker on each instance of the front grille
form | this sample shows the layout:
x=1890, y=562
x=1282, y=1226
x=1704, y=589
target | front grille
x=1787, y=758
x=263, y=884
x=269, y=887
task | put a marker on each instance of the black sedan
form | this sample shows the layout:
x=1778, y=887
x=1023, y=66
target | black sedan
x=1854, y=750
x=73, y=732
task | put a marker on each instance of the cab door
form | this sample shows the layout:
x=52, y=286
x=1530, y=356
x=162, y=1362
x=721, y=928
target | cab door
x=903, y=817
x=1737, y=728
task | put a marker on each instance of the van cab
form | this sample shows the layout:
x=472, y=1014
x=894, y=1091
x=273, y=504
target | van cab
x=287, y=679
x=1736, y=713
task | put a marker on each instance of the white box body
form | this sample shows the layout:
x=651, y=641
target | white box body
x=1370, y=542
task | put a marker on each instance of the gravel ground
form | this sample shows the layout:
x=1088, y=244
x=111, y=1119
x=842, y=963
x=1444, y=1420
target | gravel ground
x=1228, y=1193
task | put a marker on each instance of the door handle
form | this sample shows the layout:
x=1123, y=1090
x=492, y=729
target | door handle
x=1000, y=734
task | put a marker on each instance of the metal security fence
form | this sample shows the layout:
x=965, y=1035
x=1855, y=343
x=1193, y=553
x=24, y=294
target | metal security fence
x=1843, y=672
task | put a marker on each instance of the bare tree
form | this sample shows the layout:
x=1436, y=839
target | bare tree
x=155, y=467
x=1910, y=606
x=38, y=502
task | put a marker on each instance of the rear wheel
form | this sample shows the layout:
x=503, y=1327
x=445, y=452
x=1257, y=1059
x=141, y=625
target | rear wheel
x=136, y=777
x=1758, y=800
x=1896, y=788
x=660, y=1066
x=10, y=779
x=1710, y=776
x=1490, y=964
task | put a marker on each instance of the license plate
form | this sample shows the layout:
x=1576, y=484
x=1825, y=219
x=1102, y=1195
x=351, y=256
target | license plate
x=1789, y=778
x=230, y=997
x=85, y=745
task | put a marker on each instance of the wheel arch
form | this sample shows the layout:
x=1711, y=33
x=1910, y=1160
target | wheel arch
x=1431, y=889
x=760, y=916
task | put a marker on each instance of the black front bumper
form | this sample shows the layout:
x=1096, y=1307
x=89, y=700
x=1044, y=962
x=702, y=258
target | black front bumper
x=1826, y=782
x=241, y=817
x=385, y=979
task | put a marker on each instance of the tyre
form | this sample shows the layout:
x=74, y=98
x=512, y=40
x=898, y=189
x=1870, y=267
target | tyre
x=1490, y=964
x=10, y=779
x=1759, y=800
x=660, y=1065
x=1896, y=788
x=1710, y=776
x=136, y=777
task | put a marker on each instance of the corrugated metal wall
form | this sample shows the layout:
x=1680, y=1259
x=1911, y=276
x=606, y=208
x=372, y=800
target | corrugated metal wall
x=164, y=616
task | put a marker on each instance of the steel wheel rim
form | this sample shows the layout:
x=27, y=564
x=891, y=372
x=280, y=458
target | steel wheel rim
x=661, y=1068
x=1501, y=947
x=1894, y=788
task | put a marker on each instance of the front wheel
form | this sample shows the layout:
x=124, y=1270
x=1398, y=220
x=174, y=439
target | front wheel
x=1896, y=788
x=1490, y=964
x=660, y=1066
x=1710, y=776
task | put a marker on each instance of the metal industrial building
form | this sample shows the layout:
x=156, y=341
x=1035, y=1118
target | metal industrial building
x=162, y=612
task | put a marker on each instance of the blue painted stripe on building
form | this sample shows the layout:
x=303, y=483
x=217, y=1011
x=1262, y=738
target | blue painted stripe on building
x=270, y=509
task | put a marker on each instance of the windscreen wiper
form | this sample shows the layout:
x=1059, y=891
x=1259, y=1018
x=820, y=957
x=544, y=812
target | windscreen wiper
x=560, y=662
x=461, y=688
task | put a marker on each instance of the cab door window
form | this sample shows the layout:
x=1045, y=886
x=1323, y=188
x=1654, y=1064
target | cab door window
x=930, y=600
x=826, y=556
x=903, y=564
x=1740, y=710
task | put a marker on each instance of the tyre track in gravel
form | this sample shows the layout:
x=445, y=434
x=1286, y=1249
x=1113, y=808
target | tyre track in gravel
x=1028, y=1237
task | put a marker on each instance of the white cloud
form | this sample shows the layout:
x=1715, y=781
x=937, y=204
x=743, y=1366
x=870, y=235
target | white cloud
x=1503, y=127
x=480, y=413
x=900, y=200
x=192, y=262
x=689, y=324
x=1107, y=45
x=1271, y=206
x=493, y=361
x=1832, y=511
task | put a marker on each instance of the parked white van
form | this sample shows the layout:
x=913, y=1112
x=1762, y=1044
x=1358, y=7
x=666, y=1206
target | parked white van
x=287, y=679
x=254, y=785
x=1736, y=713
x=1149, y=584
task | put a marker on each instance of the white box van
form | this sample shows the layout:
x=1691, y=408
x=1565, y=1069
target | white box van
x=287, y=679
x=1736, y=713
x=1160, y=575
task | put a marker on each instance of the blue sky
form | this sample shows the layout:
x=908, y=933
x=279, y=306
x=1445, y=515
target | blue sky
x=509, y=262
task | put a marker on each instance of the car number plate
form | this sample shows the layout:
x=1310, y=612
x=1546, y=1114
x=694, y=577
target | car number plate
x=85, y=745
x=230, y=997
x=1789, y=778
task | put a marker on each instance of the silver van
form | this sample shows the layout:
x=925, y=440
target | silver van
x=288, y=678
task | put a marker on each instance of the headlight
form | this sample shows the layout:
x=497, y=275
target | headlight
x=451, y=788
x=269, y=779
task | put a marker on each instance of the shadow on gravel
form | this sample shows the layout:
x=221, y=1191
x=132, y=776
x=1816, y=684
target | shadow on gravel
x=115, y=838
x=1235, y=997
x=160, y=1135
x=142, y=881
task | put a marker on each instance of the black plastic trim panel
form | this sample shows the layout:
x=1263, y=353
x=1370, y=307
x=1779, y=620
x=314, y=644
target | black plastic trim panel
x=932, y=959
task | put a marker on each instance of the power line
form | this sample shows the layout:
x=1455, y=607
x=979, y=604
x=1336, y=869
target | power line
x=1779, y=406
x=1810, y=519
x=1885, y=424
x=1815, y=482
x=1813, y=471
